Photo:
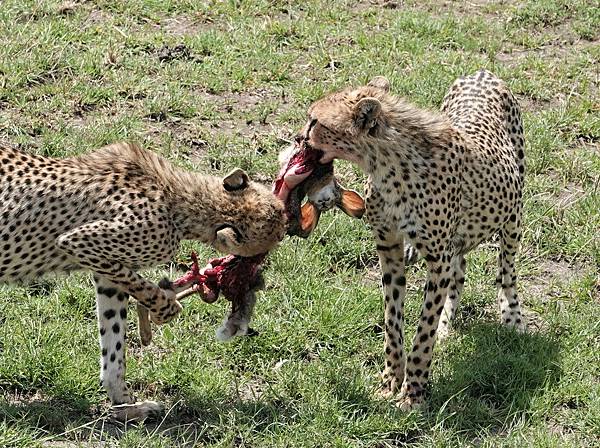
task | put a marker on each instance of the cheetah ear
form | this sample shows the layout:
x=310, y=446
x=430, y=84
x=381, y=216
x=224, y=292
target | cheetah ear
x=352, y=203
x=309, y=217
x=235, y=180
x=380, y=82
x=367, y=112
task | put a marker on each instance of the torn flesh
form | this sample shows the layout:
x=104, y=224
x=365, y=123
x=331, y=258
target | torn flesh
x=298, y=168
x=238, y=278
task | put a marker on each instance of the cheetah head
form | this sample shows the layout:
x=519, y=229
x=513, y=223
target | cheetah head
x=252, y=219
x=342, y=123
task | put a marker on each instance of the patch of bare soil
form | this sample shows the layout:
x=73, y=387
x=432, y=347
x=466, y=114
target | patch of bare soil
x=371, y=274
x=560, y=430
x=230, y=101
x=531, y=104
x=552, y=279
x=441, y=8
x=567, y=196
x=549, y=284
x=186, y=25
x=250, y=390
x=245, y=114
x=562, y=46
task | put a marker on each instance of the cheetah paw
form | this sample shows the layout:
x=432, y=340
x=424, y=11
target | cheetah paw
x=407, y=404
x=389, y=387
x=166, y=305
x=520, y=327
x=137, y=412
x=411, y=397
x=385, y=393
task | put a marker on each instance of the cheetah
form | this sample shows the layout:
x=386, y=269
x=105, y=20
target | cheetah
x=115, y=211
x=443, y=183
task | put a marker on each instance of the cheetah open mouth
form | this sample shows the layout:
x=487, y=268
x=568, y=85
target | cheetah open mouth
x=297, y=176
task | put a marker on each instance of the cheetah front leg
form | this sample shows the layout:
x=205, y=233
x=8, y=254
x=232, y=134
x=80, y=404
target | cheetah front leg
x=111, y=304
x=391, y=258
x=419, y=360
x=98, y=245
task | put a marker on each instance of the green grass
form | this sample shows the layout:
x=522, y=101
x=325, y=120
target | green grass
x=213, y=85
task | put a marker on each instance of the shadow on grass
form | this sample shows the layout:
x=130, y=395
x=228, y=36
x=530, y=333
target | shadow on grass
x=43, y=414
x=200, y=421
x=489, y=377
x=485, y=380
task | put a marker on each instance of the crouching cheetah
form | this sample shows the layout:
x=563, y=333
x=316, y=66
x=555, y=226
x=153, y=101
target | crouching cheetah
x=117, y=210
x=444, y=182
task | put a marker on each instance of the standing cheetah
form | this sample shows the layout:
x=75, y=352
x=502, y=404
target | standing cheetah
x=117, y=210
x=444, y=182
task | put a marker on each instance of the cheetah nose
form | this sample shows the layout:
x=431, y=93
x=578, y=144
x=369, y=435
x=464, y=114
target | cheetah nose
x=298, y=138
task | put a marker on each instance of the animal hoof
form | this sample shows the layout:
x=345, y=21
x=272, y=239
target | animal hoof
x=137, y=412
x=144, y=328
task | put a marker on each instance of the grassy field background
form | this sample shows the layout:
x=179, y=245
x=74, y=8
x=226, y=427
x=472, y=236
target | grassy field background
x=217, y=84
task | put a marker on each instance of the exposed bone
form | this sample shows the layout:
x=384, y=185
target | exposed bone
x=144, y=324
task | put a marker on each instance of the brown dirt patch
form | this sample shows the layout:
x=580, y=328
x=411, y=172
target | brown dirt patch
x=488, y=8
x=552, y=279
x=549, y=285
x=250, y=390
x=229, y=101
x=98, y=16
x=186, y=25
x=563, y=46
x=248, y=114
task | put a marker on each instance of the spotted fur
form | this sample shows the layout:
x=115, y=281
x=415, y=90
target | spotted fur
x=115, y=211
x=443, y=182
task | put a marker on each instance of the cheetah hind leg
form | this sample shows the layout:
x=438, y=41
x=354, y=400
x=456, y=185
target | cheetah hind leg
x=137, y=412
x=455, y=288
x=508, y=301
